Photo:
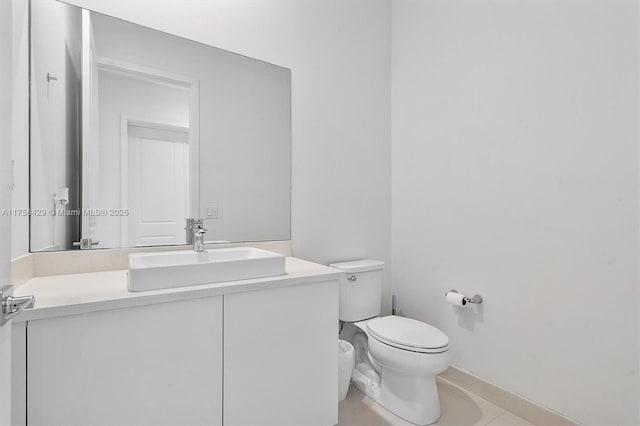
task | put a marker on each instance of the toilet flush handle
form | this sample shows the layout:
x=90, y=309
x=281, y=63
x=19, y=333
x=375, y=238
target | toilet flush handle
x=352, y=278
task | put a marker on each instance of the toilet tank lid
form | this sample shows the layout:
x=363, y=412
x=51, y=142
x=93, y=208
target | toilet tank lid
x=358, y=265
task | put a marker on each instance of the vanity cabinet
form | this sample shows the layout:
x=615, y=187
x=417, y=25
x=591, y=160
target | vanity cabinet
x=255, y=357
x=281, y=356
x=148, y=365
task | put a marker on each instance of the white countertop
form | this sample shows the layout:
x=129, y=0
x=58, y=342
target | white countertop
x=61, y=295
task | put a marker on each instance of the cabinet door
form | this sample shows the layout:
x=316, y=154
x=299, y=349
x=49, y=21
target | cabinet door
x=148, y=365
x=19, y=374
x=281, y=356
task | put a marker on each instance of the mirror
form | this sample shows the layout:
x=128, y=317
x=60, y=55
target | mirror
x=134, y=130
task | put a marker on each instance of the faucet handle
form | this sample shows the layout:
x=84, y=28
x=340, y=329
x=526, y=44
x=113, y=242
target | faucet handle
x=199, y=229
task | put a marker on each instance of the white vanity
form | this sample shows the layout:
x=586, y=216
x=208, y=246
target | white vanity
x=257, y=351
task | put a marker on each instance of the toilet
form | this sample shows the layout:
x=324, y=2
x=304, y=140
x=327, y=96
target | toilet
x=397, y=358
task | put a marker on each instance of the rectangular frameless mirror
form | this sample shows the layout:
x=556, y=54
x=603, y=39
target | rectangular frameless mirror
x=134, y=130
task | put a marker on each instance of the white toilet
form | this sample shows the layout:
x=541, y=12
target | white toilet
x=397, y=358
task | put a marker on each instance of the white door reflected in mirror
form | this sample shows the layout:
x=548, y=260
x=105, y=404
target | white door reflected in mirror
x=158, y=186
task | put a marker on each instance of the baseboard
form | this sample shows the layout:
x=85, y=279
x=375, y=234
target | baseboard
x=508, y=401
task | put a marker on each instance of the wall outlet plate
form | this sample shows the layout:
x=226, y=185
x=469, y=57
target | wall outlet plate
x=212, y=212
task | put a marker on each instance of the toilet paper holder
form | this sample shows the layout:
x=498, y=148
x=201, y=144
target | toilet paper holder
x=475, y=299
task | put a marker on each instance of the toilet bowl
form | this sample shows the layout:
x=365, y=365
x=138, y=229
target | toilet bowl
x=400, y=374
x=397, y=358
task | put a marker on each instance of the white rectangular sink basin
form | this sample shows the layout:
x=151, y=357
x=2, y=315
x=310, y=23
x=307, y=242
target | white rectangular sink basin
x=170, y=269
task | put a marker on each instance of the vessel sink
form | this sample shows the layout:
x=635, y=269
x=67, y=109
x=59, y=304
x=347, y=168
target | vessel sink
x=170, y=269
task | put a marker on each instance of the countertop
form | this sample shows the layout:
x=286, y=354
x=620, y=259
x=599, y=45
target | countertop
x=61, y=295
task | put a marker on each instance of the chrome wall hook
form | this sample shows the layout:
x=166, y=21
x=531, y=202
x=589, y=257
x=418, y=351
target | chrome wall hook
x=51, y=78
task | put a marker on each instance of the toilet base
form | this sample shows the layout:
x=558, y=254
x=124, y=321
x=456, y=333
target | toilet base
x=415, y=399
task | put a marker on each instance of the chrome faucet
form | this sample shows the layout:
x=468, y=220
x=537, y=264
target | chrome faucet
x=198, y=236
x=189, y=229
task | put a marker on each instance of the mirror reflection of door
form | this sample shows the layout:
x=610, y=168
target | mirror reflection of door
x=144, y=122
x=158, y=184
x=137, y=152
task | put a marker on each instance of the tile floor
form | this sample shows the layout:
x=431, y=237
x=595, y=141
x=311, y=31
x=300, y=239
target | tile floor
x=459, y=408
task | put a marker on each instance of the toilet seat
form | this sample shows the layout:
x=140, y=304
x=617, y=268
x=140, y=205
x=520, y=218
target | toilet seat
x=407, y=334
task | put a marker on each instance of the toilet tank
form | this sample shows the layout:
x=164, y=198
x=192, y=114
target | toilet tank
x=360, y=290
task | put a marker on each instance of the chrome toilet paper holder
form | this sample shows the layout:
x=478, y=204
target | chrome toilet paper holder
x=475, y=299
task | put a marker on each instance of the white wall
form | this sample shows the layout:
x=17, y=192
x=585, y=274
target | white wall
x=6, y=178
x=5, y=200
x=515, y=175
x=338, y=51
x=20, y=125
